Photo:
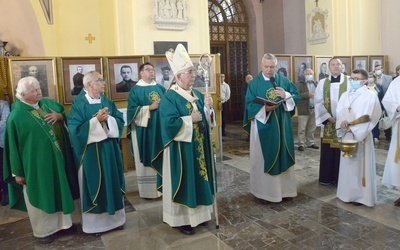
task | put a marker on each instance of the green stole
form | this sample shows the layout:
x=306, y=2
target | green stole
x=329, y=135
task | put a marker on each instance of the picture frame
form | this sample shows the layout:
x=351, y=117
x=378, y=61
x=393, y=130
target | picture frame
x=199, y=83
x=300, y=63
x=347, y=66
x=123, y=74
x=72, y=76
x=321, y=69
x=162, y=71
x=43, y=69
x=284, y=65
x=360, y=62
x=373, y=60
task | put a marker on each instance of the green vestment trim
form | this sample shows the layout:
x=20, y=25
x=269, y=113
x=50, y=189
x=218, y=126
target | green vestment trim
x=190, y=162
x=40, y=152
x=103, y=183
x=276, y=135
x=329, y=135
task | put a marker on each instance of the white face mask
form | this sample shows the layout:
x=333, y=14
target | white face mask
x=370, y=80
x=309, y=78
x=378, y=72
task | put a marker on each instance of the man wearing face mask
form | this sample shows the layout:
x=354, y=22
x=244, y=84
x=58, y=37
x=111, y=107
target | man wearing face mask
x=383, y=80
x=305, y=110
x=357, y=174
x=326, y=98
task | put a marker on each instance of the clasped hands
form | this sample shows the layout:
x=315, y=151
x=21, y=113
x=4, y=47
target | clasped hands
x=102, y=115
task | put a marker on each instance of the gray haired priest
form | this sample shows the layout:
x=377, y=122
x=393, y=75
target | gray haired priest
x=184, y=159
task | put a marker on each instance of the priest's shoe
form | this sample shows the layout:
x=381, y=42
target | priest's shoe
x=188, y=230
x=204, y=224
x=46, y=240
x=301, y=148
x=313, y=146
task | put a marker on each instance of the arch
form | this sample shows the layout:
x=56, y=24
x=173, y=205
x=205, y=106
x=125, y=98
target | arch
x=229, y=36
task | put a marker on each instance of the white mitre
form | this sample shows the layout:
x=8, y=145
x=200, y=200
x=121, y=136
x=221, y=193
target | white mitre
x=178, y=60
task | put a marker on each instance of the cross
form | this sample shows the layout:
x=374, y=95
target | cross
x=349, y=108
x=316, y=3
x=90, y=38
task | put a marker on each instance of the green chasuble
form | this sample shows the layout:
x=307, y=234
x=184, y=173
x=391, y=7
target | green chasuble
x=190, y=162
x=103, y=184
x=276, y=135
x=140, y=96
x=40, y=152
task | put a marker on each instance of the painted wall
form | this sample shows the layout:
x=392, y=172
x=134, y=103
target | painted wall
x=120, y=27
x=390, y=35
x=350, y=24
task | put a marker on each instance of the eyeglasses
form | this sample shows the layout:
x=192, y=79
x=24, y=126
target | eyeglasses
x=149, y=70
x=356, y=79
x=98, y=80
x=190, y=72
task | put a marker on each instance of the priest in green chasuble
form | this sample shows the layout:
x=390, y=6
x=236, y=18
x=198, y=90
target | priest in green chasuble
x=95, y=127
x=143, y=102
x=38, y=162
x=272, y=176
x=183, y=158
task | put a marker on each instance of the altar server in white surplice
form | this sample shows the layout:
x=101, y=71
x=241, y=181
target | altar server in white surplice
x=391, y=102
x=357, y=181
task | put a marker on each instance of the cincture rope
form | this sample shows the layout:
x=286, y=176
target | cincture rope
x=397, y=155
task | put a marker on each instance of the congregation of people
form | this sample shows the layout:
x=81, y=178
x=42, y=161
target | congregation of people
x=54, y=163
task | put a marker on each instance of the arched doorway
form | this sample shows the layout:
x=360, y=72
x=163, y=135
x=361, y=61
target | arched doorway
x=229, y=35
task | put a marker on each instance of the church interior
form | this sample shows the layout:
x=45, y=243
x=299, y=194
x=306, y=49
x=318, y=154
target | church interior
x=58, y=36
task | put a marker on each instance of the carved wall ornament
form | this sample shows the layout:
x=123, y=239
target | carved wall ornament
x=318, y=26
x=170, y=14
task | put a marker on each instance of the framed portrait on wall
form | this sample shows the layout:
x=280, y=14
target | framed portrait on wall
x=300, y=63
x=43, y=69
x=162, y=70
x=347, y=67
x=360, y=62
x=123, y=74
x=72, y=72
x=377, y=60
x=284, y=65
x=321, y=69
x=199, y=82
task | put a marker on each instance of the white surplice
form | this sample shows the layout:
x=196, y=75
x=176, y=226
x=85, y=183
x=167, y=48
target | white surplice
x=391, y=100
x=362, y=164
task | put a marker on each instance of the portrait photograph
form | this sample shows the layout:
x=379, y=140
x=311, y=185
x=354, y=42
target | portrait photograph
x=43, y=69
x=360, y=62
x=162, y=71
x=72, y=72
x=283, y=66
x=123, y=74
x=321, y=70
x=347, y=67
x=199, y=82
x=377, y=60
x=76, y=76
x=300, y=63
